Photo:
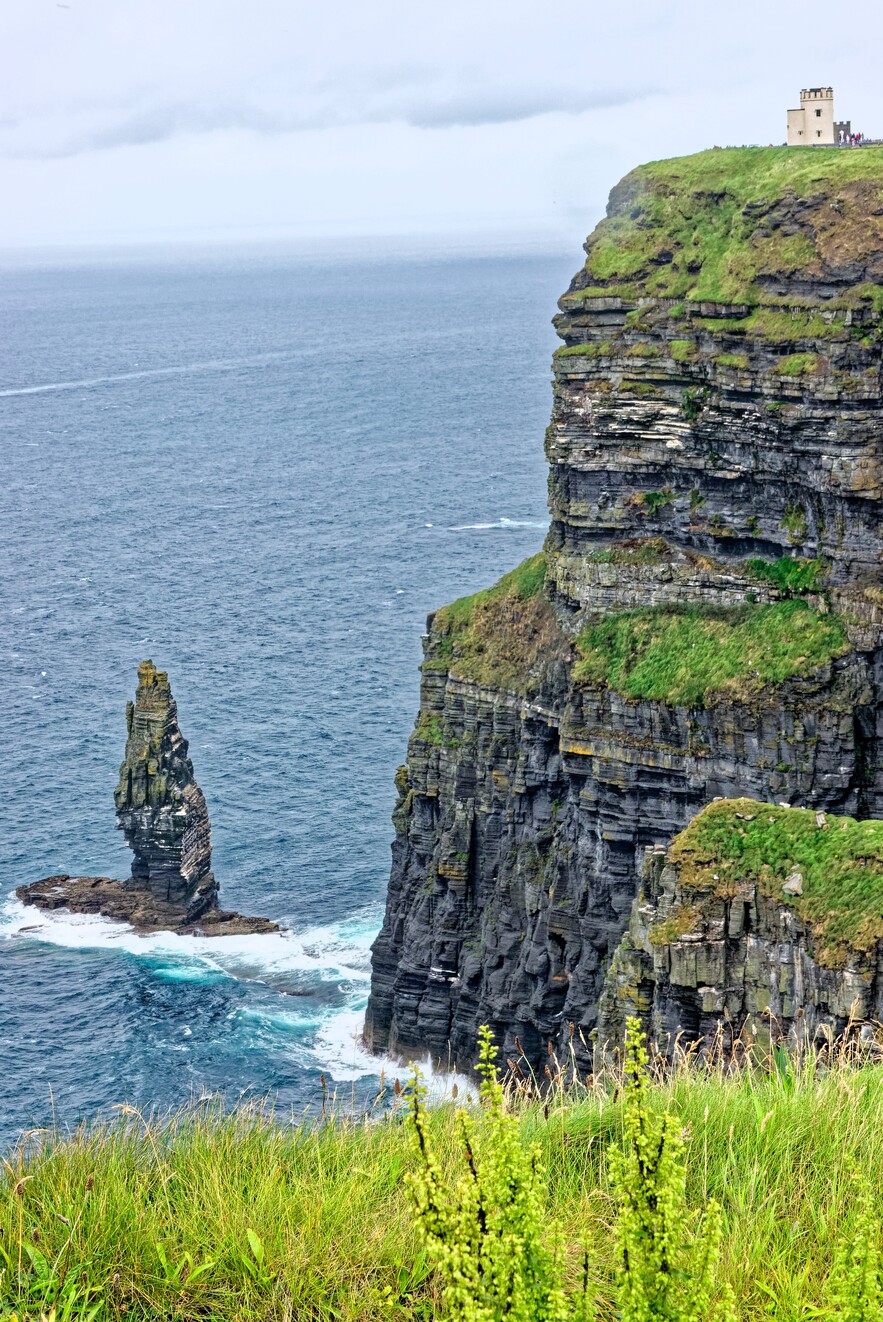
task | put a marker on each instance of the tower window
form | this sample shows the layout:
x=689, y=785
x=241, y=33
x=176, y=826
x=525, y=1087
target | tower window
x=818, y=114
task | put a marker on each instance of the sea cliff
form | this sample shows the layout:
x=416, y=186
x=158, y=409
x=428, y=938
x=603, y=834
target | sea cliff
x=705, y=619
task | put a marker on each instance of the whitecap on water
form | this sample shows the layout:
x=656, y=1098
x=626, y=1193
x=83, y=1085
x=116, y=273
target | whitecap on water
x=499, y=523
x=327, y=967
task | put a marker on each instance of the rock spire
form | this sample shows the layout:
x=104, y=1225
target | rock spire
x=160, y=807
x=164, y=816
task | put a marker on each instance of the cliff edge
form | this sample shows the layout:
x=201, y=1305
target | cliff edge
x=704, y=621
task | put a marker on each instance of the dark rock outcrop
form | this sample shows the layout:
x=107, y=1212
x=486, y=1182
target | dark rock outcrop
x=164, y=816
x=714, y=451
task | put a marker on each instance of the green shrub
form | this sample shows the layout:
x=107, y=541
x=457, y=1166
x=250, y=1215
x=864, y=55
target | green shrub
x=667, y=1258
x=694, y=402
x=487, y=1232
x=791, y=576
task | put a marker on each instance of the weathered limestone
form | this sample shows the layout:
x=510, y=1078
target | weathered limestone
x=164, y=816
x=698, y=966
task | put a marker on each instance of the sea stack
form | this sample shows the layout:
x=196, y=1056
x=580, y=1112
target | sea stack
x=164, y=816
x=160, y=808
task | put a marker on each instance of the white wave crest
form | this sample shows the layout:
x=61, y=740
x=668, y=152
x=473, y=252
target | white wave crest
x=499, y=523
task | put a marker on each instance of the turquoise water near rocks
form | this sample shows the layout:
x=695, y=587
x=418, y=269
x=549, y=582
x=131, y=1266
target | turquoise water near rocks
x=261, y=471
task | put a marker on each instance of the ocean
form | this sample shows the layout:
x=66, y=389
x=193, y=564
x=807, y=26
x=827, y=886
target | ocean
x=261, y=470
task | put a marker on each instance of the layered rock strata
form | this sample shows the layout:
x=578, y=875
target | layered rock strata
x=759, y=923
x=705, y=620
x=164, y=816
x=160, y=808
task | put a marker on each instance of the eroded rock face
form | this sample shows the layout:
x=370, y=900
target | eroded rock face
x=160, y=808
x=710, y=964
x=691, y=438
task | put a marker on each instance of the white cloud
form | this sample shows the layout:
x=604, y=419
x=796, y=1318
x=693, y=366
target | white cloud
x=276, y=115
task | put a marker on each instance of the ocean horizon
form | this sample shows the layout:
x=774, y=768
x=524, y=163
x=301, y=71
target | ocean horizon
x=262, y=474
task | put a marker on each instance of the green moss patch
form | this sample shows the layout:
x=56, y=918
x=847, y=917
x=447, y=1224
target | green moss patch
x=682, y=657
x=840, y=863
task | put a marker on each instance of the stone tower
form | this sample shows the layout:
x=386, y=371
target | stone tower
x=159, y=805
x=812, y=125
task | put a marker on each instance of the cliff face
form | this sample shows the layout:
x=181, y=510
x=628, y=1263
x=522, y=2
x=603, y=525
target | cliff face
x=706, y=618
x=759, y=921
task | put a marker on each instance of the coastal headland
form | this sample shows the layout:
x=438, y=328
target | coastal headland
x=704, y=622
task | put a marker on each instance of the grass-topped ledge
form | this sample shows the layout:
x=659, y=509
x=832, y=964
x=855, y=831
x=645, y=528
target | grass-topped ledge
x=500, y=636
x=839, y=860
x=684, y=655
x=718, y=228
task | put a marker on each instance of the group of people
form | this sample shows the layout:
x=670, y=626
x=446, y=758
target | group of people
x=851, y=139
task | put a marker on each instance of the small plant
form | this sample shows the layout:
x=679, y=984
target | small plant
x=667, y=1260
x=856, y=1283
x=654, y=501
x=794, y=523
x=694, y=402
x=487, y=1232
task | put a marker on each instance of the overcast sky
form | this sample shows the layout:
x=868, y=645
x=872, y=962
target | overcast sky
x=234, y=119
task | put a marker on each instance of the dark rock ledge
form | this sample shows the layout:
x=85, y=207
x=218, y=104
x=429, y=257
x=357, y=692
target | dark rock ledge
x=163, y=813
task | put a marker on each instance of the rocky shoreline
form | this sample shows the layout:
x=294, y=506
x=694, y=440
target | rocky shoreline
x=125, y=903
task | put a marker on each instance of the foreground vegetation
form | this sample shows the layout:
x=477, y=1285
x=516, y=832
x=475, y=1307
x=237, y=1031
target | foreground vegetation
x=206, y=1215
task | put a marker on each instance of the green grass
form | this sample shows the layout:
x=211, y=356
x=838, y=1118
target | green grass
x=523, y=582
x=740, y=361
x=637, y=551
x=798, y=364
x=281, y=1221
x=585, y=350
x=683, y=657
x=683, y=351
x=840, y=861
x=679, y=228
x=790, y=575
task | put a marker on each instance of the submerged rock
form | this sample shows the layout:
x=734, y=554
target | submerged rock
x=164, y=816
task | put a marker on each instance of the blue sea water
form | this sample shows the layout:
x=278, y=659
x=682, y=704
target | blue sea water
x=261, y=471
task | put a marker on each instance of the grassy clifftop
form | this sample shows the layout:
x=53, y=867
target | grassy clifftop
x=740, y=225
